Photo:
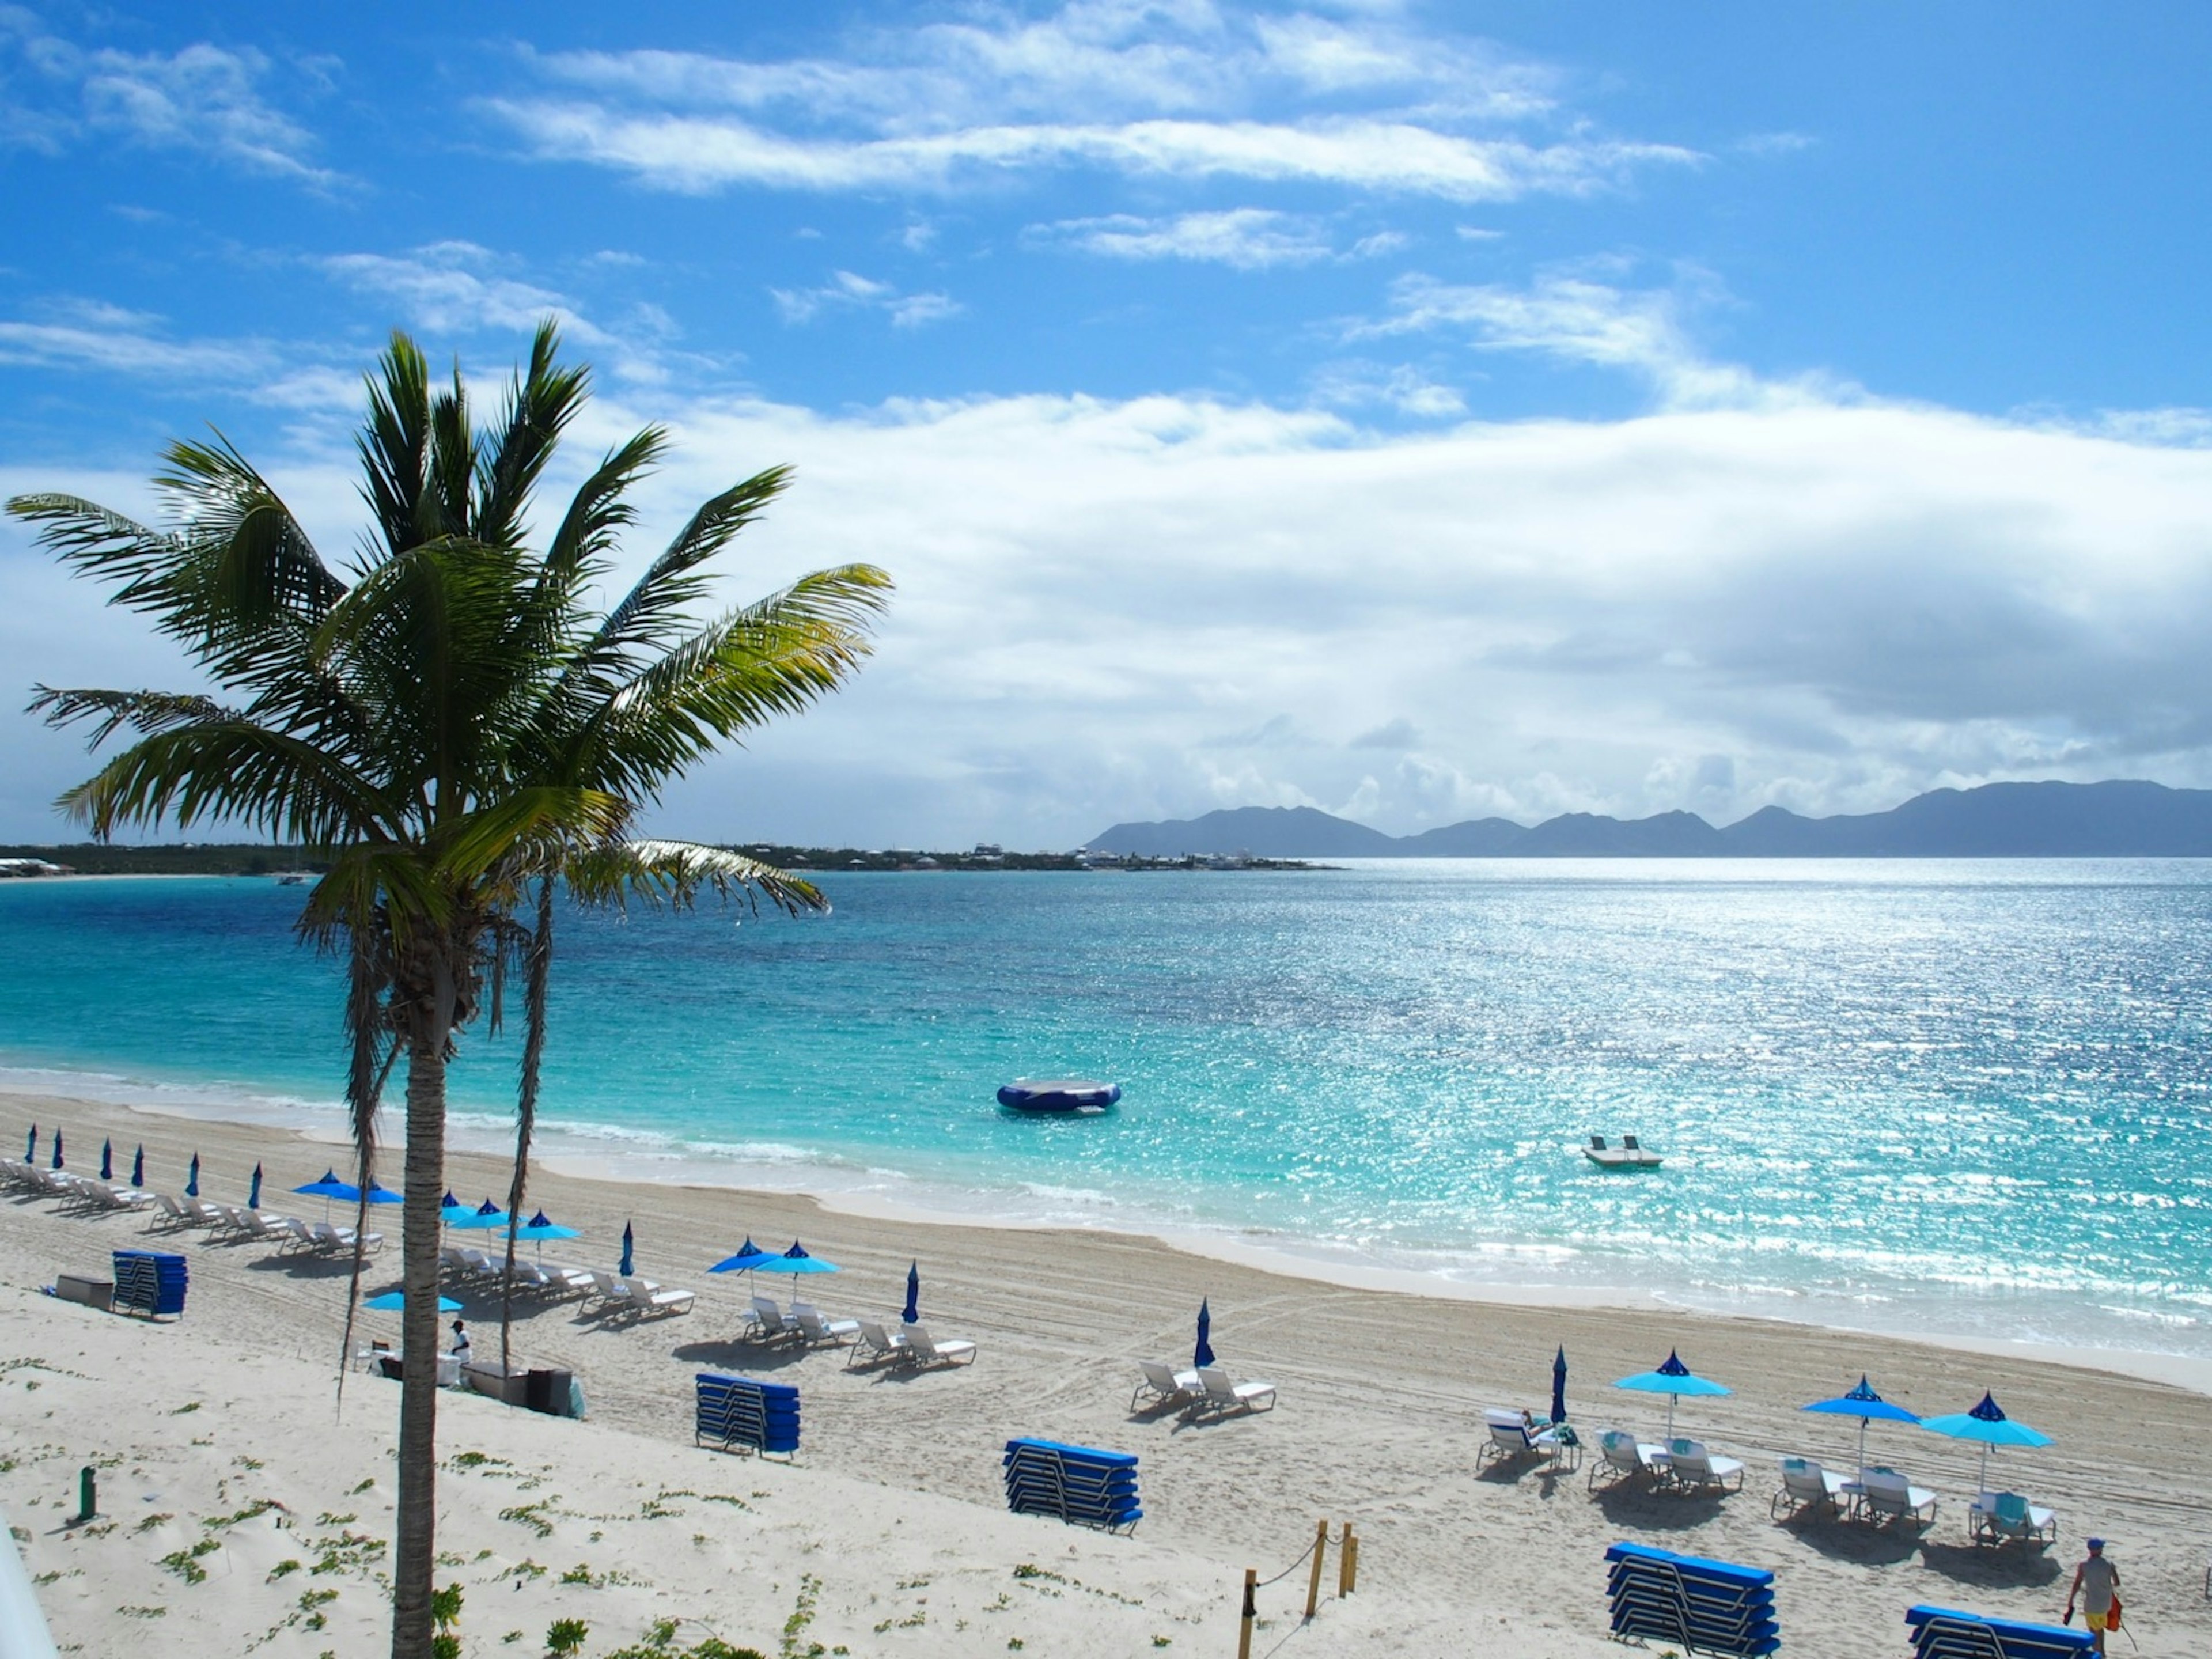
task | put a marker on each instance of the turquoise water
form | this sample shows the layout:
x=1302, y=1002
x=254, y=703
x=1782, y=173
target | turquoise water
x=1888, y=1093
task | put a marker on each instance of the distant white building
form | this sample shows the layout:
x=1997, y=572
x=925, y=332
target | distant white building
x=11, y=868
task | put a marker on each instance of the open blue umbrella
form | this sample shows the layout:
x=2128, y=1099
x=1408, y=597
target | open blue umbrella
x=57, y=1149
x=537, y=1230
x=1673, y=1379
x=750, y=1257
x=912, y=1313
x=1203, y=1353
x=447, y=1205
x=193, y=1181
x=138, y=1168
x=486, y=1216
x=795, y=1261
x=630, y=1253
x=1988, y=1424
x=1863, y=1403
x=1560, y=1385
x=253, y=1198
x=396, y=1301
x=378, y=1194
x=108, y=1160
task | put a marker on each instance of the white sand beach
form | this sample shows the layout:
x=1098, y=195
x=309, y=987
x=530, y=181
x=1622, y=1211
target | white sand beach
x=222, y=1456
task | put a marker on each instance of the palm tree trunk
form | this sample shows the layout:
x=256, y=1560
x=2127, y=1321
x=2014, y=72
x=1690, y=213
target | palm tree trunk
x=413, y=1557
x=540, y=963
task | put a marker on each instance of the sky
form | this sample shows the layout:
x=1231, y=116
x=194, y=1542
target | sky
x=1417, y=411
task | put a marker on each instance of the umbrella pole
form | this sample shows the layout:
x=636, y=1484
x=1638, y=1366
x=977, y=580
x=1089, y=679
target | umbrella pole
x=1986, y=1469
x=1862, y=1428
x=1670, y=1418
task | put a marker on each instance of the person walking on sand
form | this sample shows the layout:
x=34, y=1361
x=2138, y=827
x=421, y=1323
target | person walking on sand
x=460, y=1349
x=2097, y=1587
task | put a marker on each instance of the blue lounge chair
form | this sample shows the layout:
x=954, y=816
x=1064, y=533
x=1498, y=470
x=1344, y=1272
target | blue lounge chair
x=1080, y=1485
x=1941, y=1634
x=1710, y=1606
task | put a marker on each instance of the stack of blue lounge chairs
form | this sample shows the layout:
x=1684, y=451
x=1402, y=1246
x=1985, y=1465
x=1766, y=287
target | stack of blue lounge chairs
x=1709, y=1606
x=1940, y=1633
x=150, y=1282
x=736, y=1411
x=1078, y=1484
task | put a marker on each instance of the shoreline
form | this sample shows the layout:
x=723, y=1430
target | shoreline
x=1280, y=1260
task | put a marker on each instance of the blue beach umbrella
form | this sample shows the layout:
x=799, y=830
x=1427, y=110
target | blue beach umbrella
x=630, y=1253
x=484, y=1217
x=447, y=1205
x=912, y=1313
x=108, y=1160
x=57, y=1149
x=1203, y=1353
x=138, y=1168
x=1863, y=1403
x=396, y=1301
x=795, y=1261
x=328, y=1187
x=1560, y=1385
x=253, y=1198
x=1988, y=1424
x=347, y=1193
x=748, y=1258
x=31, y=1147
x=193, y=1181
x=537, y=1230
x=1673, y=1379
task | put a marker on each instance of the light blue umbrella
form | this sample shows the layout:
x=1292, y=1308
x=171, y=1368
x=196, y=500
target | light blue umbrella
x=1203, y=1353
x=108, y=1160
x=795, y=1261
x=630, y=1253
x=447, y=1205
x=1988, y=1424
x=485, y=1216
x=253, y=1198
x=396, y=1301
x=138, y=1168
x=537, y=1230
x=912, y=1314
x=1673, y=1379
x=748, y=1258
x=193, y=1181
x=1863, y=1403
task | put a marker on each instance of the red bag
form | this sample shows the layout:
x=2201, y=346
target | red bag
x=2113, y=1619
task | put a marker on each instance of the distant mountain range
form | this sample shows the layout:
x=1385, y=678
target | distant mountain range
x=1998, y=820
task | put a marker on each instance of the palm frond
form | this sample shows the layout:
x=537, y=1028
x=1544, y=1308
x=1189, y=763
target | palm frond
x=540, y=403
x=141, y=711
x=676, y=873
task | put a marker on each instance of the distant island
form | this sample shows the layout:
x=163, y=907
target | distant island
x=2117, y=819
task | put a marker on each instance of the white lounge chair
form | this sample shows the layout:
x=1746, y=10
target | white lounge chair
x=649, y=1297
x=876, y=1344
x=1998, y=1517
x=766, y=1322
x=1621, y=1456
x=927, y=1350
x=612, y=1292
x=1510, y=1436
x=1692, y=1469
x=330, y=1236
x=1885, y=1495
x=1223, y=1396
x=1807, y=1486
x=815, y=1329
x=173, y=1216
x=1163, y=1385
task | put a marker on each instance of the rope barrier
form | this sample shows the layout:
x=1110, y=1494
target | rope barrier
x=1303, y=1554
x=1316, y=1552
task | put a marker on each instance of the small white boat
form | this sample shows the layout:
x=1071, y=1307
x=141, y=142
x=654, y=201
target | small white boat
x=1629, y=1155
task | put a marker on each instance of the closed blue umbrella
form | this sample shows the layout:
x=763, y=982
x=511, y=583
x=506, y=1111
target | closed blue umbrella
x=57, y=1149
x=1560, y=1385
x=1863, y=1403
x=138, y=1168
x=630, y=1253
x=108, y=1160
x=253, y=1198
x=1673, y=1379
x=912, y=1314
x=1988, y=1424
x=193, y=1181
x=1203, y=1353
x=31, y=1147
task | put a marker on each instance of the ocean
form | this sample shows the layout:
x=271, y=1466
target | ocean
x=1966, y=1097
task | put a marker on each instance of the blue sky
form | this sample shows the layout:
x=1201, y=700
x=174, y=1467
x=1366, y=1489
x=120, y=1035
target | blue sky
x=1417, y=411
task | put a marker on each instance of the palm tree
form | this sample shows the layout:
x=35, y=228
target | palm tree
x=450, y=721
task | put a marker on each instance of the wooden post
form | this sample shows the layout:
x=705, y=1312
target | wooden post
x=1351, y=1561
x=1251, y=1612
x=1344, y=1563
x=1313, y=1583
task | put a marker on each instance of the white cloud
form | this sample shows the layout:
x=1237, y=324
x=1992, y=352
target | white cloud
x=204, y=98
x=76, y=333
x=454, y=287
x=1188, y=91
x=1248, y=239
x=846, y=290
x=1360, y=384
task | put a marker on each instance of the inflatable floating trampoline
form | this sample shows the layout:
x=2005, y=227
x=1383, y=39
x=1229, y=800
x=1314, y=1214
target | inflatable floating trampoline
x=1059, y=1096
